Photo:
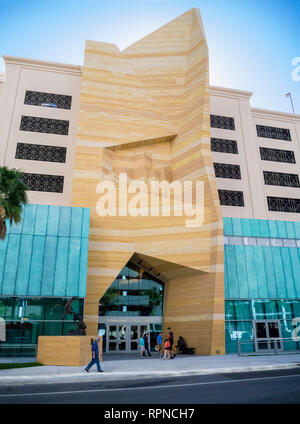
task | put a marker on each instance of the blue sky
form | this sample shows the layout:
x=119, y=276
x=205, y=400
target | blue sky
x=251, y=42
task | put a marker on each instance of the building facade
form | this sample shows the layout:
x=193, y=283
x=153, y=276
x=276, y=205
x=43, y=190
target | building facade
x=149, y=112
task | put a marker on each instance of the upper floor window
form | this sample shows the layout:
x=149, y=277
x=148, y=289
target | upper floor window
x=43, y=182
x=273, y=132
x=283, y=204
x=223, y=145
x=40, y=152
x=37, y=98
x=225, y=122
x=277, y=155
x=225, y=170
x=44, y=125
x=231, y=198
x=281, y=179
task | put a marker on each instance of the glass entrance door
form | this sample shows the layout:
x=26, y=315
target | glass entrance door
x=124, y=338
x=266, y=332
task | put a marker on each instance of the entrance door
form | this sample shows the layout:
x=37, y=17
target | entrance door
x=124, y=338
x=266, y=332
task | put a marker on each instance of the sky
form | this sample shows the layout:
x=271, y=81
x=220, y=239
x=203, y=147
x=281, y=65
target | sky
x=254, y=45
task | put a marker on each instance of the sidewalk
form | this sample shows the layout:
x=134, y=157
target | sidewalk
x=134, y=368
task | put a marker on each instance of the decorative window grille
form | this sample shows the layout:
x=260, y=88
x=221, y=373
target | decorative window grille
x=223, y=145
x=41, y=152
x=273, y=132
x=42, y=182
x=281, y=179
x=225, y=122
x=225, y=170
x=283, y=204
x=231, y=198
x=277, y=155
x=37, y=98
x=44, y=125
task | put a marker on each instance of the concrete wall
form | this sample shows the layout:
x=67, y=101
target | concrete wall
x=236, y=104
x=22, y=75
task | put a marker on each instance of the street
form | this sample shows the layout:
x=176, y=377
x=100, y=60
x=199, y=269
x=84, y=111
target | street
x=264, y=387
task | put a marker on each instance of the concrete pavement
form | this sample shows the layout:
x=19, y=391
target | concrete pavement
x=135, y=367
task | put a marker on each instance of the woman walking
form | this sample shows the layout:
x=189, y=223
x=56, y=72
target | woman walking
x=167, y=348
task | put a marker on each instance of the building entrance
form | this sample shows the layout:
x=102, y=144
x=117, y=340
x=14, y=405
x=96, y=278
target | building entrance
x=265, y=334
x=124, y=338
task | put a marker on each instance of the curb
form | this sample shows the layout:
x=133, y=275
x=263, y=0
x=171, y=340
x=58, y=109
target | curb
x=114, y=376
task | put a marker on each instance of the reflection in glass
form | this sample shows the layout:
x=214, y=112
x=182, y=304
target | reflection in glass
x=133, y=332
x=144, y=294
x=112, y=333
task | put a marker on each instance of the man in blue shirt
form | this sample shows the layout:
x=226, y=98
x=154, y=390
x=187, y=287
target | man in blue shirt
x=95, y=356
x=158, y=344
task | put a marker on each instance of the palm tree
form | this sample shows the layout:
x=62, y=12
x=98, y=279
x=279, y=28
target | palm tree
x=12, y=197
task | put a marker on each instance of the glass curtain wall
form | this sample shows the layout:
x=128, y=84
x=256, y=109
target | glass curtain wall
x=239, y=316
x=28, y=318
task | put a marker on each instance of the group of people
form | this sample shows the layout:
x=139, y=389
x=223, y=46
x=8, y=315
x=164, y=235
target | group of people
x=166, y=346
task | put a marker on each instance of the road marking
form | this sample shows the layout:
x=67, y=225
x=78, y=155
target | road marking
x=171, y=386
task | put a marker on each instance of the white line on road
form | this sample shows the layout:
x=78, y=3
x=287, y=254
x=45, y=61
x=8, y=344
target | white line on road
x=171, y=386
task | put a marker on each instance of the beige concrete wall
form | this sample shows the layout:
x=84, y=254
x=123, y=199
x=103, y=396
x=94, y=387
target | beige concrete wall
x=22, y=75
x=65, y=350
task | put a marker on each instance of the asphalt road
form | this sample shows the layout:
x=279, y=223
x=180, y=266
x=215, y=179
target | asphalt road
x=264, y=387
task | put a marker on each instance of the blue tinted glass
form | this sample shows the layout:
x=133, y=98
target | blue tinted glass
x=271, y=309
x=285, y=309
x=257, y=309
x=242, y=309
x=296, y=308
x=229, y=310
x=286, y=331
x=230, y=336
x=245, y=334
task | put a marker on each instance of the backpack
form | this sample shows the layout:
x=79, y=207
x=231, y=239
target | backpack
x=167, y=344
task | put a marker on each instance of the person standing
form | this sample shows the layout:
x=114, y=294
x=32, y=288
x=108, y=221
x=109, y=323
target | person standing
x=142, y=346
x=95, y=356
x=146, y=339
x=158, y=344
x=171, y=340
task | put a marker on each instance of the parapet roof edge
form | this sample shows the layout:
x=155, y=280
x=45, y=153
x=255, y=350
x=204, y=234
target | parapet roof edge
x=42, y=64
x=257, y=112
x=229, y=92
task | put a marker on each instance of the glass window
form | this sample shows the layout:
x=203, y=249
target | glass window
x=286, y=331
x=257, y=307
x=296, y=308
x=271, y=309
x=230, y=336
x=245, y=334
x=285, y=309
x=144, y=295
x=242, y=310
x=35, y=309
x=229, y=310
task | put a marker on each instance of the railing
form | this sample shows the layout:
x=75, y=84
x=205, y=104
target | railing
x=275, y=346
x=13, y=350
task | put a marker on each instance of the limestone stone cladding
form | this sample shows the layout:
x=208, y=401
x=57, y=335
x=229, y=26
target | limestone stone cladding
x=145, y=111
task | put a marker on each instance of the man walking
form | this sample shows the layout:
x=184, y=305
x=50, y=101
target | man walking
x=146, y=339
x=158, y=344
x=95, y=356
